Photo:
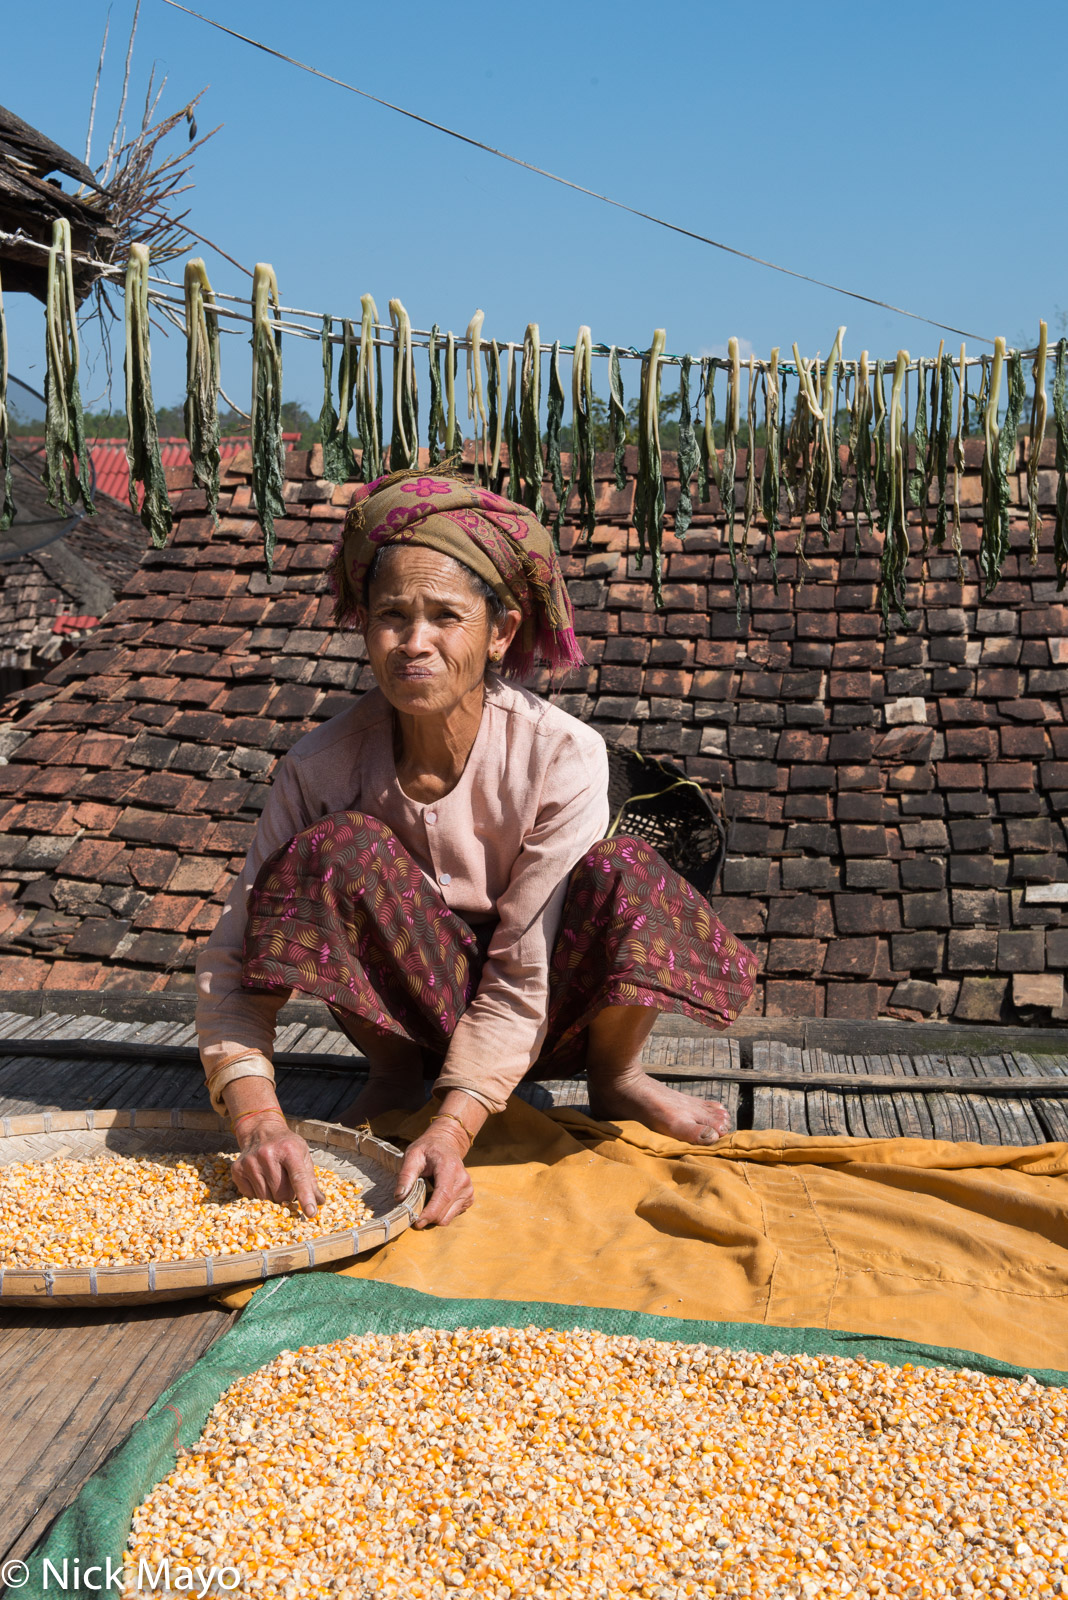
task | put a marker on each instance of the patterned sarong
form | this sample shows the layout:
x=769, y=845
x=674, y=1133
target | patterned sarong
x=344, y=913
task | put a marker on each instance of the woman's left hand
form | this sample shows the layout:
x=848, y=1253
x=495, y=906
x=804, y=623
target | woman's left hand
x=438, y=1155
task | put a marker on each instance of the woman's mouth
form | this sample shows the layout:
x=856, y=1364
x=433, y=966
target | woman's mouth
x=412, y=674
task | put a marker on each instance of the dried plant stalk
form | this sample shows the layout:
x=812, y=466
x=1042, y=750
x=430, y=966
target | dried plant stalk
x=496, y=413
x=1039, y=411
x=142, y=436
x=404, y=440
x=369, y=392
x=554, y=466
x=708, y=463
x=896, y=542
x=750, y=502
x=649, y=489
x=860, y=420
x=476, y=400
x=770, y=486
x=66, y=466
x=435, y=423
x=582, y=460
x=617, y=419
x=202, y=381
x=1060, y=424
x=268, y=446
x=532, y=465
x=687, y=452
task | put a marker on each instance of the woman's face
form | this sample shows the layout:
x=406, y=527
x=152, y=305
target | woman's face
x=428, y=631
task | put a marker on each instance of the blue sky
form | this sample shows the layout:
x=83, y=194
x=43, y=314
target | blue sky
x=912, y=153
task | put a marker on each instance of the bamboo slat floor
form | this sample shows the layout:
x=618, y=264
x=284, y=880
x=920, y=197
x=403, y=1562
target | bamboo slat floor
x=75, y=1382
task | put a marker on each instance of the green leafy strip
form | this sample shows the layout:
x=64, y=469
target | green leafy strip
x=896, y=543
x=942, y=443
x=369, y=393
x=1039, y=413
x=649, y=488
x=730, y=457
x=803, y=450
x=860, y=415
x=339, y=460
x=708, y=463
x=476, y=400
x=435, y=424
x=917, y=477
x=999, y=459
x=617, y=419
x=493, y=402
x=770, y=485
x=880, y=468
x=958, y=460
x=202, y=382
x=1060, y=424
x=142, y=437
x=66, y=467
x=827, y=482
x=7, y=504
x=553, y=464
x=531, y=463
x=515, y=482
x=453, y=442
x=404, y=440
x=687, y=453
x=582, y=460
x=268, y=446
x=751, y=498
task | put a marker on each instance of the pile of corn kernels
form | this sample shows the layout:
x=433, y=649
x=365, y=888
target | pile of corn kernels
x=115, y=1210
x=497, y=1464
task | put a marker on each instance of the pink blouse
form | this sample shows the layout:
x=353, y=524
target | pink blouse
x=530, y=802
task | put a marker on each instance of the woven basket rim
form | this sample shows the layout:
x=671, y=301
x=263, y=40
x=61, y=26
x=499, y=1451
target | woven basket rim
x=216, y=1272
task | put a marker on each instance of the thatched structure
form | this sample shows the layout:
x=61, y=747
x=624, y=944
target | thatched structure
x=30, y=201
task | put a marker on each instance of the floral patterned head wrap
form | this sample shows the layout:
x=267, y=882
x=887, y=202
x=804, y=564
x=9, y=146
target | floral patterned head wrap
x=503, y=542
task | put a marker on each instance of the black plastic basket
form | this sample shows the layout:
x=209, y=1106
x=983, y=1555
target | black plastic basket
x=655, y=801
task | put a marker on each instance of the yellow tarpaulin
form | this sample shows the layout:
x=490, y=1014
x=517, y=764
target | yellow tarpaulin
x=963, y=1245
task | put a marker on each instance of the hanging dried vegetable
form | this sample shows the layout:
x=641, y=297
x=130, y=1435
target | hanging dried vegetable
x=860, y=420
x=404, y=440
x=917, y=477
x=582, y=460
x=1060, y=424
x=435, y=424
x=687, y=452
x=66, y=466
x=731, y=420
x=649, y=488
x=880, y=464
x=453, y=442
x=339, y=460
x=958, y=459
x=268, y=446
x=999, y=460
x=942, y=441
x=769, y=486
x=1039, y=410
x=531, y=463
x=515, y=484
x=617, y=419
x=804, y=448
x=555, y=416
x=369, y=392
x=708, y=460
x=493, y=402
x=7, y=504
x=142, y=435
x=476, y=400
x=826, y=475
x=896, y=543
x=202, y=381
x=750, y=502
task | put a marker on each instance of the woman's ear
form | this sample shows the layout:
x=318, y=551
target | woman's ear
x=502, y=633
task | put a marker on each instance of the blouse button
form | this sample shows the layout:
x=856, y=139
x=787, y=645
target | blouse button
x=431, y=816
x=444, y=877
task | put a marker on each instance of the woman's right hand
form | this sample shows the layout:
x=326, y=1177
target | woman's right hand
x=275, y=1163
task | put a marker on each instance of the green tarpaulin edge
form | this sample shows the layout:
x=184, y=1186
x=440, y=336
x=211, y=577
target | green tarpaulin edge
x=316, y=1308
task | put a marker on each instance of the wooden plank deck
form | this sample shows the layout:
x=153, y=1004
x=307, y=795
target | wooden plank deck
x=75, y=1382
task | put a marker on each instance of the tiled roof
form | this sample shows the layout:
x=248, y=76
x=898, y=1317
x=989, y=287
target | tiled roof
x=897, y=839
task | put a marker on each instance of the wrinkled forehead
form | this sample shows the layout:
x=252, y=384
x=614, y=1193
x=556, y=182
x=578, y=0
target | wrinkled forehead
x=399, y=567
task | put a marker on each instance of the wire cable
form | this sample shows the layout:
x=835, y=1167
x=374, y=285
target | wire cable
x=568, y=183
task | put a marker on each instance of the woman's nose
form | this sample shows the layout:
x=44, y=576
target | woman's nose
x=415, y=638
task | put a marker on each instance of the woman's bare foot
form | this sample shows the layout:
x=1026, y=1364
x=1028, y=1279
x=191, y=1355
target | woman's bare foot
x=385, y=1092
x=633, y=1096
